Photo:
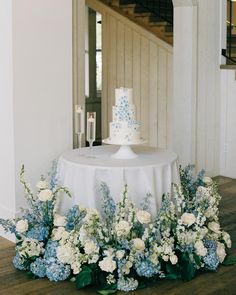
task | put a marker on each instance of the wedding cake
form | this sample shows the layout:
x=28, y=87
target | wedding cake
x=124, y=129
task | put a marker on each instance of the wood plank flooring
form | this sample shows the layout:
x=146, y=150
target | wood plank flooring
x=13, y=282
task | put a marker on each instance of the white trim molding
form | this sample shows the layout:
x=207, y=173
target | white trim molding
x=181, y=3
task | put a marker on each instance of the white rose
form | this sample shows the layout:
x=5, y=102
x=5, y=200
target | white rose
x=214, y=226
x=120, y=254
x=45, y=195
x=22, y=226
x=143, y=216
x=122, y=228
x=200, y=249
x=173, y=259
x=220, y=251
x=90, y=247
x=227, y=239
x=188, y=219
x=65, y=253
x=138, y=244
x=42, y=184
x=165, y=257
x=59, y=220
x=107, y=264
x=207, y=180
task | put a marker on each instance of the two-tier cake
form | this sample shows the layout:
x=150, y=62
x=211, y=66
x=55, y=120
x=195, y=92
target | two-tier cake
x=124, y=129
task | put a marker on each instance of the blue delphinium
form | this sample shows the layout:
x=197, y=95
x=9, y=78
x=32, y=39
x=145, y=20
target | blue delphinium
x=127, y=284
x=108, y=204
x=38, y=232
x=19, y=262
x=73, y=218
x=38, y=268
x=51, y=249
x=53, y=175
x=8, y=225
x=146, y=269
x=57, y=271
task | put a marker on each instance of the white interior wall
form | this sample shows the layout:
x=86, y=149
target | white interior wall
x=38, y=95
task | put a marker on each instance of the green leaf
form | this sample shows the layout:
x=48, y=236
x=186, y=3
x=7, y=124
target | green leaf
x=229, y=260
x=84, y=278
x=197, y=259
x=106, y=292
x=173, y=271
x=187, y=268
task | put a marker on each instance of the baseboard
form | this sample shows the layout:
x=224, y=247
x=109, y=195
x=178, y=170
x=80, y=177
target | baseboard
x=7, y=213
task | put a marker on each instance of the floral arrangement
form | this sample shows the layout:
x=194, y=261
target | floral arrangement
x=122, y=247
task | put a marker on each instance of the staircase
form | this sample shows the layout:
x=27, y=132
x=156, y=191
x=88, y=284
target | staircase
x=156, y=16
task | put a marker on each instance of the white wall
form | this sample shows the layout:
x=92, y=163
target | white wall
x=7, y=169
x=41, y=34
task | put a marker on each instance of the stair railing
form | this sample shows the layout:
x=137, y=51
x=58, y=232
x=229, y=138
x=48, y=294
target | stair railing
x=230, y=52
x=163, y=9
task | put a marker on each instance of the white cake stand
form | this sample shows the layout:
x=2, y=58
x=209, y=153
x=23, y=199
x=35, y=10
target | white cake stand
x=125, y=151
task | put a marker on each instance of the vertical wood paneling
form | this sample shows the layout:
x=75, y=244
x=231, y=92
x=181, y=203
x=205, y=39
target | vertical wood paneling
x=112, y=63
x=136, y=73
x=162, y=98
x=169, y=97
x=120, y=56
x=153, y=72
x=128, y=58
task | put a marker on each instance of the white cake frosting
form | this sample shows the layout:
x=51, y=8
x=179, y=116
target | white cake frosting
x=124, y=129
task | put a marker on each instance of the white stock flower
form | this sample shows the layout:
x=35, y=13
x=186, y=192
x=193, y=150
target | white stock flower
x=143, y=216
x=173, y=259
x=42, y=184
x=65, y=253
x=227, y=239
x=107, y=264
x=120, y=254
x=122, y=228
x=220, y=251
x=22, y=226
x=59, y=220
x=45, y=195
x=59, y=234
x=31, y=247
x=90, y=247
x=188, y=219
x=201, y=250
x=214, y=226
x=207, y=180
x=138, y=244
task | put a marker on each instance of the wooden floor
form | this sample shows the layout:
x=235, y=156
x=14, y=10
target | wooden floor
x=222, y=282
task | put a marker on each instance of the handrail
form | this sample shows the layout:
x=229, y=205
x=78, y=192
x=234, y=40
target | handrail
x=230, y=52
x=163, y=9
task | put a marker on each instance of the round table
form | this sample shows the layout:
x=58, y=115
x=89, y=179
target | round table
x=152, y=171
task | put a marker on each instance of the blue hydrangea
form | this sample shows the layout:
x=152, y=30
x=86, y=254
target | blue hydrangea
x=211, y=245
x=38, y=232
x=211, y=261
x=19, y=262
x=146, y=269
x=74, y=217
x=57, y=271
x=38, y=268
x=51, y=249
x=127, y=285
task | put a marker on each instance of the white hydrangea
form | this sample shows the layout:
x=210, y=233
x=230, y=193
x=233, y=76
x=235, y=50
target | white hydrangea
x=122, y=228
x=65, y=253
x=220, y=251
x=22, y=226
x=90, y=247
x=59, y=220
x=60, y=234
x=188, y=219
x=143, y=216
x=31, y=247
x=42, y=184
x=45, y=195
x=120, y=254
x=201, y=250
x=138, y=244
x=227, y=239
x=107, y=264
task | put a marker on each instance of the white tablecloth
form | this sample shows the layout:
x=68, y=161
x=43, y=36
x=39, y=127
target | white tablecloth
x=152, y=171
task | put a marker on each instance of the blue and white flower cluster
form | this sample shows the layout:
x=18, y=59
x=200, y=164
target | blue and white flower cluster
x=117, y=247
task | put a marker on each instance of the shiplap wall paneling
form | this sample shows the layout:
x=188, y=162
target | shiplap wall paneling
x=128, y=57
